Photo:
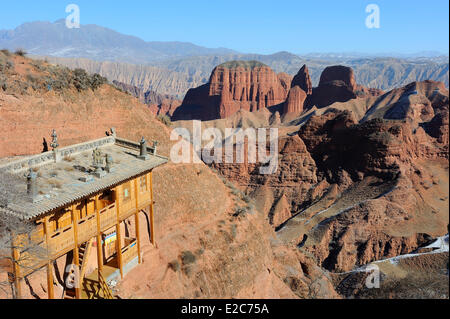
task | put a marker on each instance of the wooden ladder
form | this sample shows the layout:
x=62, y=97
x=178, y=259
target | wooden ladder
x=83, y=253
x=83, y=256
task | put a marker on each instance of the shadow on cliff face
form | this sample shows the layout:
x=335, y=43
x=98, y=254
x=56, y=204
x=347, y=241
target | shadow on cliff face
x=337, y=142
x=198, y=105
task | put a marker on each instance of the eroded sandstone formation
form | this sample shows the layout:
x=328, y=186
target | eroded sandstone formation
x=295, y=100
x=252, y=86
x=295, y=176
x=339, y=73
x=235, y=85
x=166, y=107
x=337, y=84
x=376, y=185
x=159, y=104
x=303, y=80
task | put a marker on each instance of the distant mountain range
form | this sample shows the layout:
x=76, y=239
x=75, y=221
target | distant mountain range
x=353, y=55
x=377, y=72
x=174, y=67
x=177, y=76
x=95, y=42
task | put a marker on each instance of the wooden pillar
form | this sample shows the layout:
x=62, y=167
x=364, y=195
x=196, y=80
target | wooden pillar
x=136, y=192
x=76, y=253
x=118, y=234
x=51, y=292
x=138, y=237
x=119, y=249
x=152, y=228
x=50, y=288
x=99, y=238
x=16, y=267
x=136, y=219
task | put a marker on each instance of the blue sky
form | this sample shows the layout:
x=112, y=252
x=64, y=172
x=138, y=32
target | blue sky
x=263, y=26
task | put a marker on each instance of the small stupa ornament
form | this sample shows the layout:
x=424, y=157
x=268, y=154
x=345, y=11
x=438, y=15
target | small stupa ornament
x=109, y=162
x=143, y=154
x=97, y=162
x=155, y=145
x=54, y=143
x=32, y=186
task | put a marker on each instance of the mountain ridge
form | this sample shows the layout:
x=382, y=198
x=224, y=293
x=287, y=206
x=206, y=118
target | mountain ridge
x=173, y=68
x=95, y=42
x=177, y=76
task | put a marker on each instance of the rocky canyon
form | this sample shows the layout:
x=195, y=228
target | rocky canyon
x=362, y=175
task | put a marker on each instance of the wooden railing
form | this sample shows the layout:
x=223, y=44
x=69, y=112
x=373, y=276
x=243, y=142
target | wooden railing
x=61, y=241
x=129, y=252
x=108, y=217
x=87, y=228
x=127, y=208
x=107, y=293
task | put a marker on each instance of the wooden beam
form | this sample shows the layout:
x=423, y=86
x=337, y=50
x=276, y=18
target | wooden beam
x=50, y=288
x=17, y=279
x=152, y=228
x=99, y=237
x=119, y=249
x=118, y=234
x=76, y=253
x=138, y=237
x=136, y=218
x=51, y=291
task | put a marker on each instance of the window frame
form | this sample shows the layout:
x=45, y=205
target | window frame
x=126, y=187
x=143, y=181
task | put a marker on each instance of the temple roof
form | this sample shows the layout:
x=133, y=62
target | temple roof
x=67, y=175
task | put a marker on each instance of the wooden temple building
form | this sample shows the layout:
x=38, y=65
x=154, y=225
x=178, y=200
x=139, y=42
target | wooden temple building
x=77, y=199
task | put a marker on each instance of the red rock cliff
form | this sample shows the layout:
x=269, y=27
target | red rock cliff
x=235, y=85
x=295, y=101
x=303, y=80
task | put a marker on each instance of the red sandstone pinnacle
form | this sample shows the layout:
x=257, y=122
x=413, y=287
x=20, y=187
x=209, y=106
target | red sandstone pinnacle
x=303, y=80
x=248, y=89
x=331, y=92
x=235, y=85
x=339, y=73
x=337, y=84
x=295, y=101
x=285, y=80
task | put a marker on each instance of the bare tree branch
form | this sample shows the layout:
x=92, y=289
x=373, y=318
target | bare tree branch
x=16, y=234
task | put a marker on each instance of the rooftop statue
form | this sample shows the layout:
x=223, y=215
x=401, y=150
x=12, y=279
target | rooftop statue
x=97, y=157
x=54, y=143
